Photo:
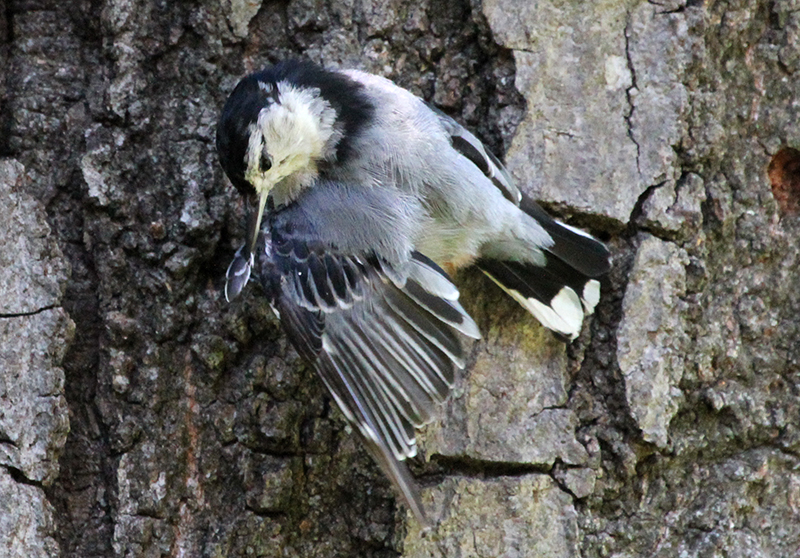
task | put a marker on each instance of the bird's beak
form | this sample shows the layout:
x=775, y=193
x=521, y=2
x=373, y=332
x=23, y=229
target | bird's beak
x=238, y=273
x=254, y=215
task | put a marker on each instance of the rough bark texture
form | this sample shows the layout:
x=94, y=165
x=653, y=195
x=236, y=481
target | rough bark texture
x=671, y=427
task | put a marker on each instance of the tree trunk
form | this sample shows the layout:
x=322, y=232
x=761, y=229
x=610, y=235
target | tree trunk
x=142, y=415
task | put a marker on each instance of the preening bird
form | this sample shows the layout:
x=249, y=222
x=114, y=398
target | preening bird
x=372, y=197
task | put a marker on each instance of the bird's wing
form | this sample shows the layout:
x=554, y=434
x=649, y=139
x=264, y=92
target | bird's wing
x=384, y=340
x=574, y=247
x=471, y=147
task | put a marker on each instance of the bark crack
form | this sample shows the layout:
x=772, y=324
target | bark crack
x=680, y=8
x=25, y=314
x=629, y=90
x=470, y=466
x=638, y=207
x=19, y=477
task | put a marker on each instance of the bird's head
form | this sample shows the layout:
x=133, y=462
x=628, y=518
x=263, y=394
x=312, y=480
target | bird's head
x=270, y=138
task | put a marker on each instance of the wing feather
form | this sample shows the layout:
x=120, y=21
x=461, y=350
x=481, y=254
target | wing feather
x=416, y=404
x=384, y=339
x=471, y=147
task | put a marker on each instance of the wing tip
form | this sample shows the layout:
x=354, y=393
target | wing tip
x=576, y=247
x=397, y=472
x=469, y=327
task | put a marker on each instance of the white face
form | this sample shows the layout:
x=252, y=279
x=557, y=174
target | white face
x=291, y=135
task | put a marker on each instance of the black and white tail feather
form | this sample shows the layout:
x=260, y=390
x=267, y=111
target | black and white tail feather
x=563, y=289
x=560, y=288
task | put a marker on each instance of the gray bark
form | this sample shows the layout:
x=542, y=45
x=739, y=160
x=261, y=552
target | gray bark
x=141, y=415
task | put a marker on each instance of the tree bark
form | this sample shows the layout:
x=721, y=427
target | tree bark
x=142, y=415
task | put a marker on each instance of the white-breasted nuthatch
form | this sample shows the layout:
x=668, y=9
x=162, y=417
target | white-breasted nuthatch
x=373, y=194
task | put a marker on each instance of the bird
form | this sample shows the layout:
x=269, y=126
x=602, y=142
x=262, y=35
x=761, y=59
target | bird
x=362, y=202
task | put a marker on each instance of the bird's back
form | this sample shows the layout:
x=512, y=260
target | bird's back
x=407, y=146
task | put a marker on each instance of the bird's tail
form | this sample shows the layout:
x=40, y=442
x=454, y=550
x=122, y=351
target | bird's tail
x=565, y=288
